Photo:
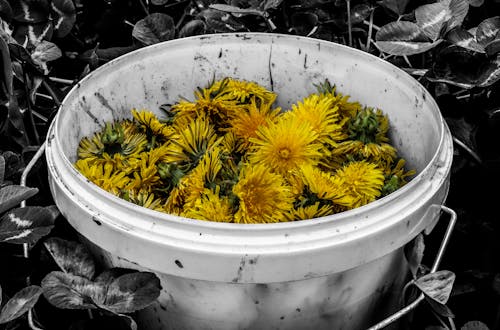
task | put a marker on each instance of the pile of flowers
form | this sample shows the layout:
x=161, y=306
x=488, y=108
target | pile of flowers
x=231, y=155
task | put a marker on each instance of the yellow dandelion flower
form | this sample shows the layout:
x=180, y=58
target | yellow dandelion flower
x=210, y=206
x=150, y=124
x=192, y=185
x=325, y=185
x=191, y=144
x=91, y=148
x=382, y=153
x=246, y=122
x=323, y=117
x=103, y=175
x=361, y=182
x=144, y=198
x=263, y=196
x=147, y=176
x=243, y=91
x=316, y=210
x=285, y=145
x=218, y=109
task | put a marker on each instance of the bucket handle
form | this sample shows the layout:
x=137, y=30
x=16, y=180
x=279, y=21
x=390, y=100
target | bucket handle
x=405, y=310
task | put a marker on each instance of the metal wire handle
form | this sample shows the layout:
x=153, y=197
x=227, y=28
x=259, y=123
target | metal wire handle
x=405, y=310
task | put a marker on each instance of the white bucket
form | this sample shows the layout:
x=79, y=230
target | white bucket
x=341, y=271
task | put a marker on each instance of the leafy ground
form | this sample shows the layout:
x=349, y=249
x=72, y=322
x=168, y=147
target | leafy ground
x=451, y=46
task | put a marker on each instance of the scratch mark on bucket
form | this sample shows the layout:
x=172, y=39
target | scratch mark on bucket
x=240, y=270
x=270, y=65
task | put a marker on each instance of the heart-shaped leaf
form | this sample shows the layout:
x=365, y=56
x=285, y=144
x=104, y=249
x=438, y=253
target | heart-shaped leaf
x=68, y=291
x=414, y=253
x=64, y=16
x=20, y=303
x=487, y=30
x=31, y=12
x=159, y=2
x=403, y=38
x=360, y=12
x=270, y=4
x=154, y=28
x=193, y=28
x=474, y=325
x=459, y=10
x=458, y=66
x=396, y=6
x=431, y=18
x=437, y=285
x=490, y=73
x=44, y=52
x=131, y=292
x=237, y=10
x=12, y=195
x=304, y=22
x=440, y=309
x=493, y=47
x=219, y=21
x=5, y=11
x=27, y=224
x=465, y=39
x=6, y=73
x=109, y=275
x=476, y=3
x=2, y=175
x=71, y=257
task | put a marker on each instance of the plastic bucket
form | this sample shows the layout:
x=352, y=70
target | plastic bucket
x=343, y=271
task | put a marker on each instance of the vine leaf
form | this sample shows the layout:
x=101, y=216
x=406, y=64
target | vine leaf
x=71, y=257
x=64, y=17
x=131, y=292
x=12, y=195
x=414, y=253
x=437, y=285
x=432, y=17
x=465, y=39
x=68, y=291
x=403, y=38
x=474, y=325
x=115, y=292
x=488, y=30
x=193, y=28
x=27, y=224
x=44, y=52
x=154, y=28
x=20, y=303
x=396, y=6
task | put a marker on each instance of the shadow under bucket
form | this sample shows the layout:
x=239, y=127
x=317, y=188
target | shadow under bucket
x=344, y=271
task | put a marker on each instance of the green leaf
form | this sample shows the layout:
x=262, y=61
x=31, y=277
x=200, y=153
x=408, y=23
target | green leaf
x=403, y=38
x=20, y=303
x=437, y=286
x=2, y=172
x=27, y=224
x=490, y=73
x=237, y=10
x=474, y=325
x=64, y=16
x=493, y=47
x=440, y=309
x=487, y=30
x=270, y=4
x=12, y=195
x=414, y=253
x=193, y=28
x=154, y=28
x=396, y=6
x=6, y=74
x=459, y=10
x=44, y=52
x=476, y=3
x=5, y=11
x=71, y=257
x=360, y=12
x=431, y=18
x=131, y=292
x=219, y=21
x=465, y=39
x=68, y=291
